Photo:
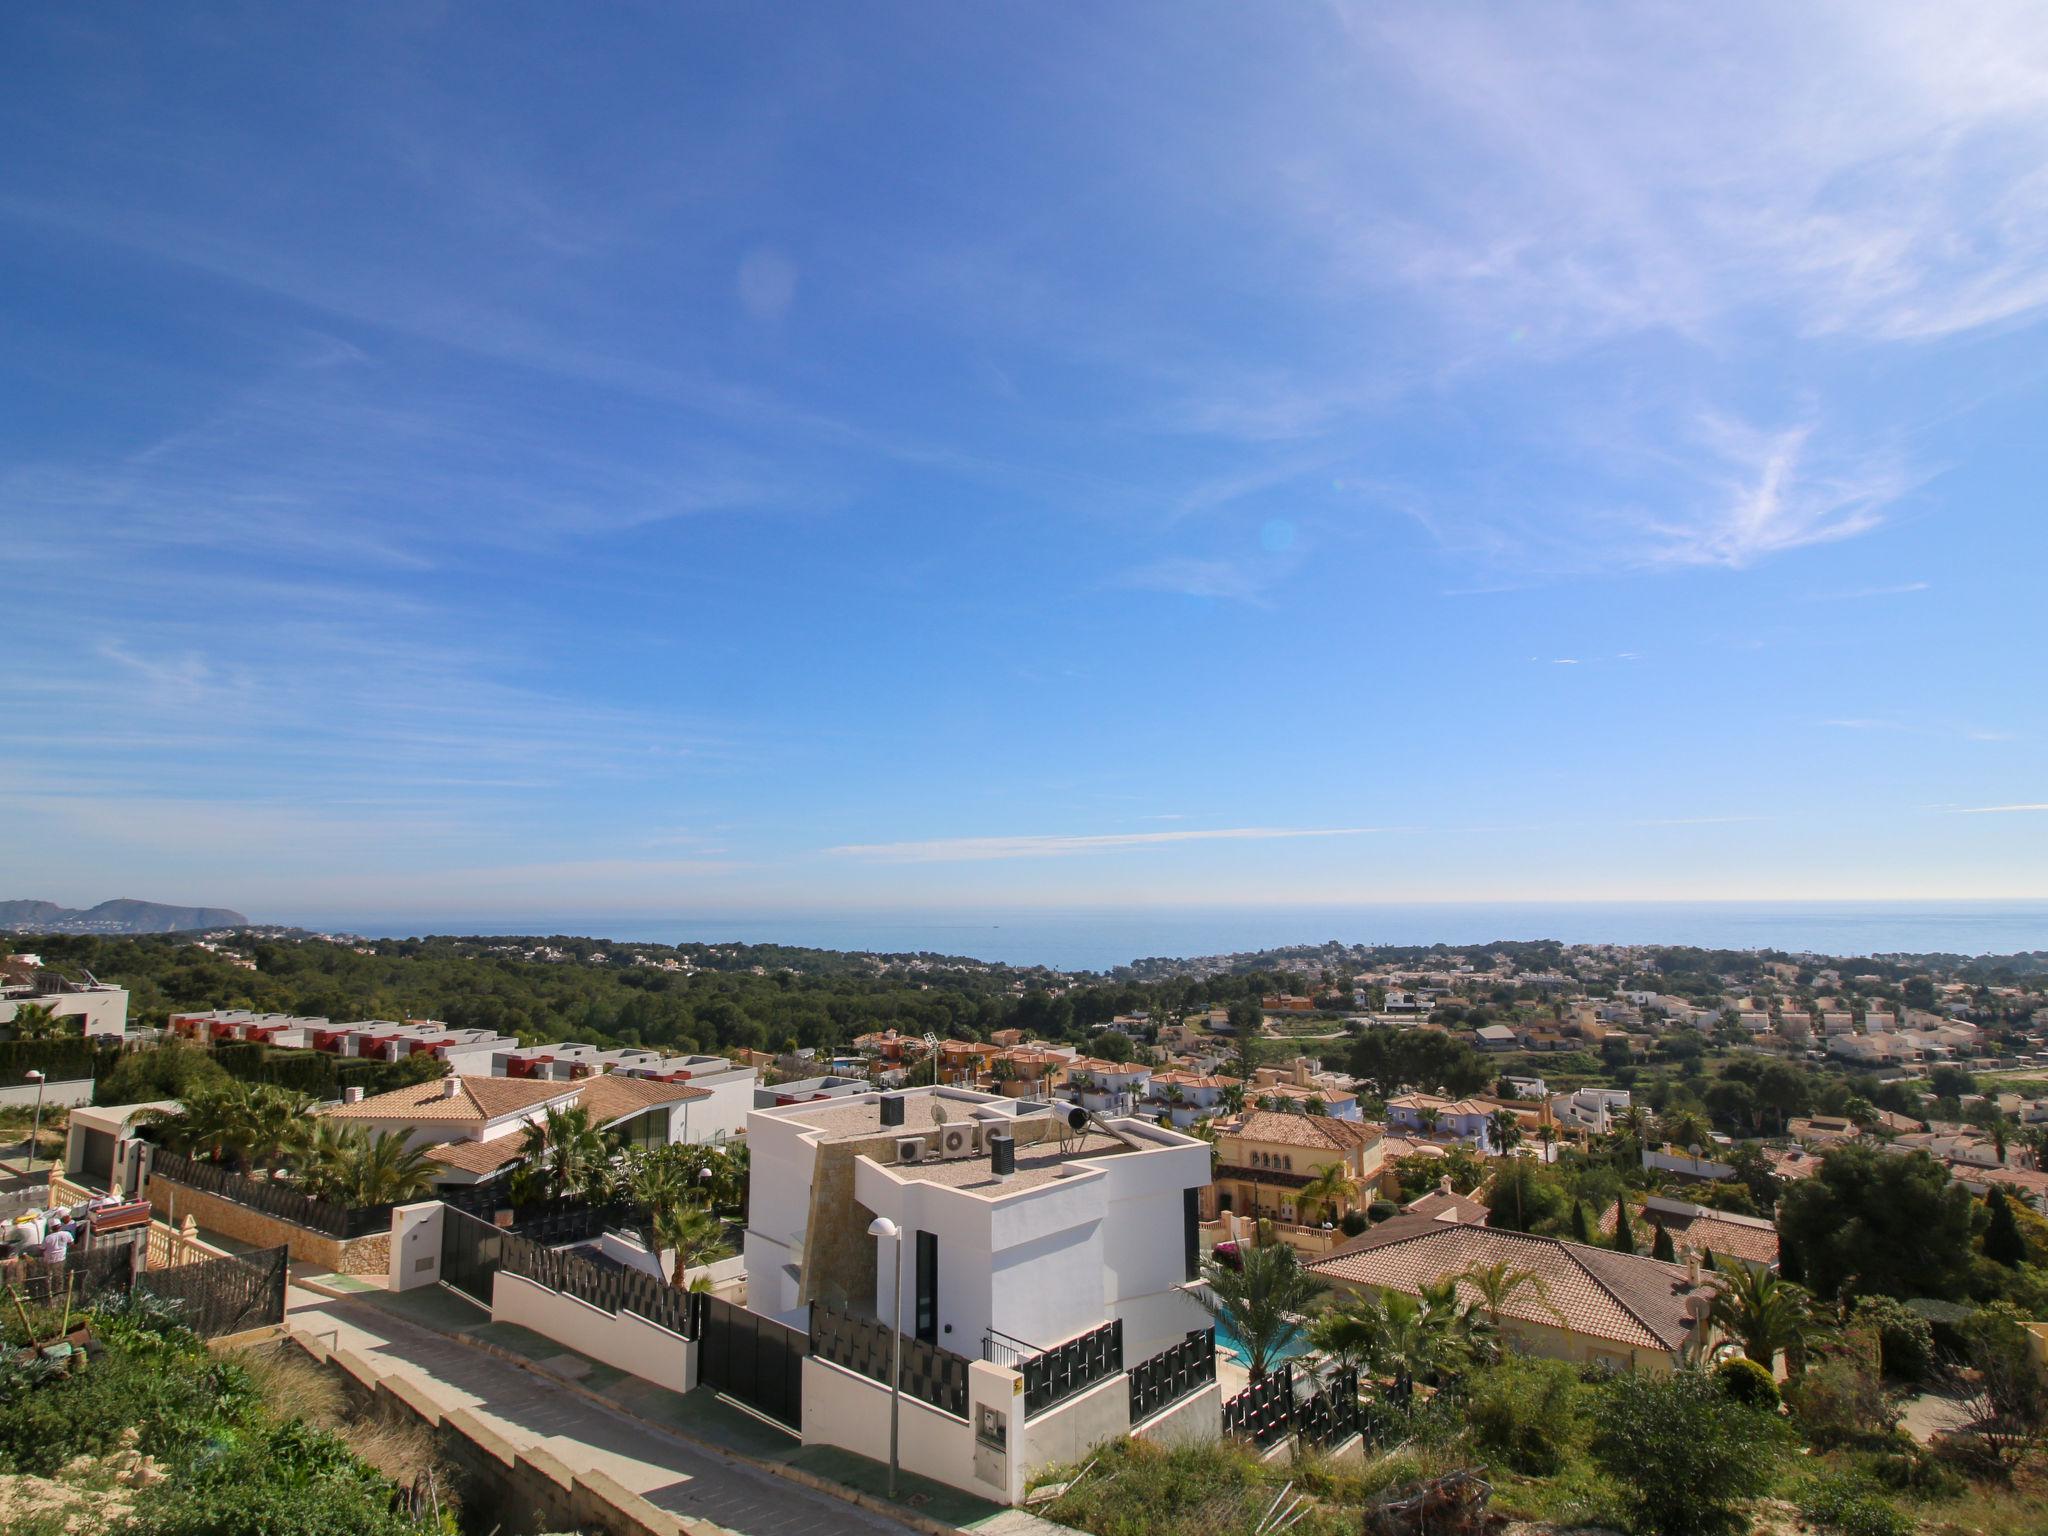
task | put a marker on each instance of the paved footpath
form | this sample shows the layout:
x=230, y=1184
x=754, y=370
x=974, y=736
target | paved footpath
x=665, y=1469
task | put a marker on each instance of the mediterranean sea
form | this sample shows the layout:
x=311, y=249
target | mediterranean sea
x=1080, y=939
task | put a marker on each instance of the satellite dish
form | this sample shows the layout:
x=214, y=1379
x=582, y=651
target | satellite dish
x=938, y=1113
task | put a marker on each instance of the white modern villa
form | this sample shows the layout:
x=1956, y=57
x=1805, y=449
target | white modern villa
x=1023, y=1224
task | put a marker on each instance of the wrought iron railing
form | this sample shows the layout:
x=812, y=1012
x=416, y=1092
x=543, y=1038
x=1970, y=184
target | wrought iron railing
x=1172, y=1374
x=998, y=1348
x=930, y=1374
x=1065, y=1370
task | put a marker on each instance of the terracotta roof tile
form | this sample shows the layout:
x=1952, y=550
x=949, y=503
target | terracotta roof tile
x=1317, y=1131
x=1605, y=1295
x=612, y=1097
x=475, y=1099
x=479, y=1156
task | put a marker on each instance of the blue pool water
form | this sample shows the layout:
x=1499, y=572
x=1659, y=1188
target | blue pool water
x=1228, y=1343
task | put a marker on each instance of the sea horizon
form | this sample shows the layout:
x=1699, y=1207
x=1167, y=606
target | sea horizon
x=1103, y=939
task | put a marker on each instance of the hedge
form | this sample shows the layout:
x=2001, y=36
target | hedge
x=310, y=1072
x=60, y=1061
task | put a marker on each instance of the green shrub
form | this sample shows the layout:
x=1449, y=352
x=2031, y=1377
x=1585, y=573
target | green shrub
x=1839, y=1402
x=1845, y=1504
x=1382, y=1210
x=1905, y=1340
x=1527, y=1413
x=1685, y=1454
x=1354, y=1222
x=1747, y=1382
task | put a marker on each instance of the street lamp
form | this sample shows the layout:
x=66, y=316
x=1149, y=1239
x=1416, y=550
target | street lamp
x=36, y=1134
x=882, y=1229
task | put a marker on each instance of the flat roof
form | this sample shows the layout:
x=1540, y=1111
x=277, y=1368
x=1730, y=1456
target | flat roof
x=1039, y=1163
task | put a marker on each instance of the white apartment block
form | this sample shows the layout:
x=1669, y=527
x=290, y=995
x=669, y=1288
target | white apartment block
x=100, y=1008
x=1589, y=1109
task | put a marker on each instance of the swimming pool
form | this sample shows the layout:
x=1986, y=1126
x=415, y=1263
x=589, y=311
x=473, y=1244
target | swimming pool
x=1228, y=1343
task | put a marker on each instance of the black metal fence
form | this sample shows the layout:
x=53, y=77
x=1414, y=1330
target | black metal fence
x=270, y=1197
x=609, y=1289
x=1268, y=1410
x=930, y=1374
x=231, y=1294
x=754, y=1358
x=1172, y=1374
x=473, y=1251
x=1073, y=1367
x=214, y=1297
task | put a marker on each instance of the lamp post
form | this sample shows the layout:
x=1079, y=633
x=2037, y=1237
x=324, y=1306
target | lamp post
x=883, y=1229
x=36, y=1134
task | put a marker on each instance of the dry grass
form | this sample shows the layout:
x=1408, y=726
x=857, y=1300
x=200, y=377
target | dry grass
x=294, y=1387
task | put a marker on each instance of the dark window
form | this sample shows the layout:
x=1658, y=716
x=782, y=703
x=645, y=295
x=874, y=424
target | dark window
x=928, y=1287
x=1191, y=1232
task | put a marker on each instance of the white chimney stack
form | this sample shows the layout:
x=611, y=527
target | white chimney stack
x=451, y=1087
x=352, y=1095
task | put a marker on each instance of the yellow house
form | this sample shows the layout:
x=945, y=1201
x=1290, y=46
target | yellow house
x=1267, y=1159
x=1594, y=1306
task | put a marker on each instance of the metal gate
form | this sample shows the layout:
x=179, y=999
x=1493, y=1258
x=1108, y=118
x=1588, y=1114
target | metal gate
x=471, y=1252
x=751, y=1357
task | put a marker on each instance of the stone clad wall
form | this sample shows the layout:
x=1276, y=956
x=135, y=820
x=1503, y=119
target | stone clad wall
x=358, y=1256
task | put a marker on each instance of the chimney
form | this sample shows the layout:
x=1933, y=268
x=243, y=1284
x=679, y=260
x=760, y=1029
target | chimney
x=1002, y=1155
x=451, y=1087
x=1443, y=1185
x=1692, y=1266
x=352, y=1095
x=1301, y=1071
x=892, y=1109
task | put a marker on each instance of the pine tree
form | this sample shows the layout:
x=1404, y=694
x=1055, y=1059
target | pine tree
x=1581, y=1232
x=1790, y=1266
x=2002, y=1239
x=1624, y=1239
x=1661, y=1248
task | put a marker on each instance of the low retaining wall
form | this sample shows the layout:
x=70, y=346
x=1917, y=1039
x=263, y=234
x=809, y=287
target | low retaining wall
x=352, y=1256
x=533, y=1491
x=623, y=1340
x=1066, y=1432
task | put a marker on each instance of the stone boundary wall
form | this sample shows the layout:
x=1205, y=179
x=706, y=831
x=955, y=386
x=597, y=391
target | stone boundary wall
x=352, y=1256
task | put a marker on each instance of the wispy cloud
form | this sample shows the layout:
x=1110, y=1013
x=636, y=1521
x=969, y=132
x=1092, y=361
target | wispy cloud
x=947, y=850
x=1997, y=810
x=1858, y=594
x=1243, y=581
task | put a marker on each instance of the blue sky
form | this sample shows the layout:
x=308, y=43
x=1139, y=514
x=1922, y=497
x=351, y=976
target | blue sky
x=519, y=459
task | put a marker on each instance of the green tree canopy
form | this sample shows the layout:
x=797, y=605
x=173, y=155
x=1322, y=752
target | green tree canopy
x=1895, y=1225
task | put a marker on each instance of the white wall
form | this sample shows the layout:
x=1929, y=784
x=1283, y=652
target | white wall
x=1195, y=1420
x=101, y=1012
x=416, y=1245
x=724, y=1114
x=1068, y=1431
x=623, y=1340
x=77, y=1091
x=851, y=1411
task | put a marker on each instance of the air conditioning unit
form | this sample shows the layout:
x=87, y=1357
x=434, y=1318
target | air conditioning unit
x=960, y=1140
x=911, y=1149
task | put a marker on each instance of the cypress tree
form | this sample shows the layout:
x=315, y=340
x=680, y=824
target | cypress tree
x=2002, y=1239
x=1790, y=1265
x=1661, y=1246
x=1581, y=1232
x=1624, y=1239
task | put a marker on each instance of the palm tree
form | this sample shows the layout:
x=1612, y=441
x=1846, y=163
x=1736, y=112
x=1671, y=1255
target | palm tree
x=1504, y=1130
x=1260, y=1300
x=1634, y=1123
x=1764, y=1312
x=1409, y=1337
x=39, y=1021
x=1499, y=1284
x=567, y=1158
x=1685, y=1127
x=1233, y=1098
x=1546, y=1134
x=346, y=1165
x=276, y=1125
x=696, y=1236
x=1331, y=1192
